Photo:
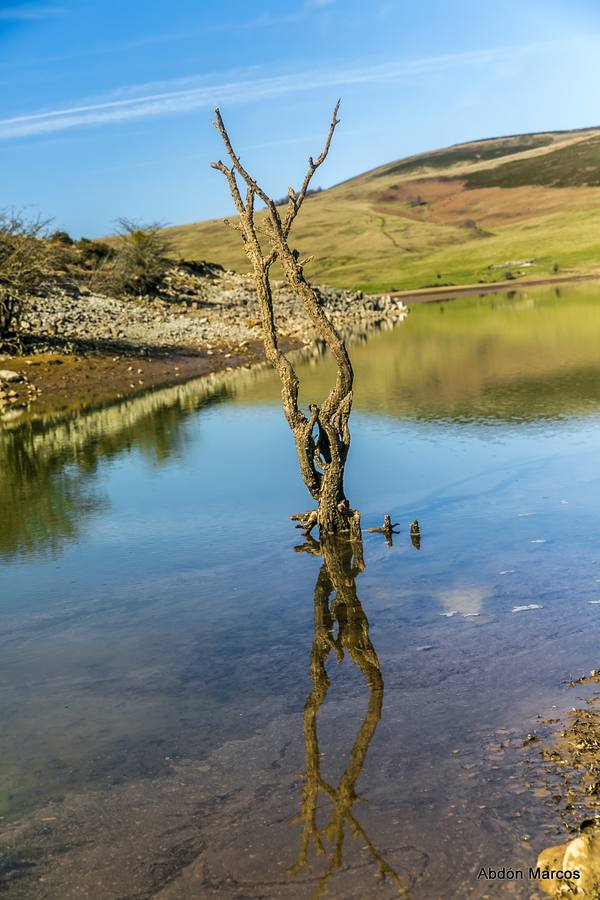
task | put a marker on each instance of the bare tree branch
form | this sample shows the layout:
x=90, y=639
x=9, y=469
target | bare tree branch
x=219, y=125
x=296, y=200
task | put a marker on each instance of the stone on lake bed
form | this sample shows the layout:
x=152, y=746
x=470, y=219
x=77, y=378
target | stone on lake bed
x=9, y=375
x=529, y=606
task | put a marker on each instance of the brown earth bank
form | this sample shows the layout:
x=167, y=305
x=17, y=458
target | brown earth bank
x=55, y=383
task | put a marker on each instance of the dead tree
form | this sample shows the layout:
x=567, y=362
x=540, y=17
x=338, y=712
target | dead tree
x=322, y=437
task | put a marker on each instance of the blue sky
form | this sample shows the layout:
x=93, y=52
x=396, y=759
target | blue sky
x=105, y=108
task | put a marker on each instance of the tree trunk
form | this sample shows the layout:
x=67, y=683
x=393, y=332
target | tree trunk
x=322, y=438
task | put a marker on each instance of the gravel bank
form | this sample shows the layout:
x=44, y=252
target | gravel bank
x=200, y=307
x=85, y=349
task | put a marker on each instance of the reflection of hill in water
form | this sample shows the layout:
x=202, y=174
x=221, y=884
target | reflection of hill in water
x=534, y=356
x=48, y=487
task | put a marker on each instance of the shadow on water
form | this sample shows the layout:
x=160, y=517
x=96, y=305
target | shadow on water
x=341, y=627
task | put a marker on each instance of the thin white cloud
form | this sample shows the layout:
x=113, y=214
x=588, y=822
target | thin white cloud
x=318, y=4
x=134, y=103
x=29, y=13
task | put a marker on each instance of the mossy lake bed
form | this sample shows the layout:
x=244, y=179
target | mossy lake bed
x=180, y=716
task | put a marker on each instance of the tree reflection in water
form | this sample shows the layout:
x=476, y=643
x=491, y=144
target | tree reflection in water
x=336, y=602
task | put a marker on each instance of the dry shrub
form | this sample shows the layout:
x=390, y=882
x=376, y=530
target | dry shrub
x=23, y=257
x=140, y=260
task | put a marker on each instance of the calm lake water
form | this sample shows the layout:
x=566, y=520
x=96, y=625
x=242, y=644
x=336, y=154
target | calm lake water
x=180, y=717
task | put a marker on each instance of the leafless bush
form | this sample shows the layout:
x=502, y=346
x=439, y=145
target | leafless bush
x=23, y=255
x=140, y=260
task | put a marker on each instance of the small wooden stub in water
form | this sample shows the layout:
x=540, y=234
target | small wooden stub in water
x=415, y=534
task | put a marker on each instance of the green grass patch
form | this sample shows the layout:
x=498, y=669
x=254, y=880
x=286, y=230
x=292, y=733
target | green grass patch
x=468, y=153
x=572, y=166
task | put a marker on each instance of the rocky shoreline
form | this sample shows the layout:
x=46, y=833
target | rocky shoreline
x=84, y=348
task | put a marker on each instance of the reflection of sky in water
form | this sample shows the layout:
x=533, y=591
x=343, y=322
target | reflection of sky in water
x=178, y=617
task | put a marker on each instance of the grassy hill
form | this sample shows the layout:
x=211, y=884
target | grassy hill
x=516, y=207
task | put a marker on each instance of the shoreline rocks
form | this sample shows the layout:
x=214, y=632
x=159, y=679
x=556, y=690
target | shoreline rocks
x=195, y=311
x=7, y=376
x=84, y=348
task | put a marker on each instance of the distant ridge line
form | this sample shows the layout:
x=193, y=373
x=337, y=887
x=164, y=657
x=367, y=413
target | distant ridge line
x=485, y=140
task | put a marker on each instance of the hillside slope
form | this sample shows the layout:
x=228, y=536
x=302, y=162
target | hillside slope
x=526, y=205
